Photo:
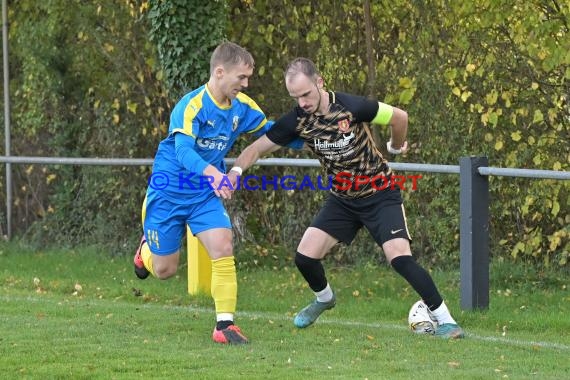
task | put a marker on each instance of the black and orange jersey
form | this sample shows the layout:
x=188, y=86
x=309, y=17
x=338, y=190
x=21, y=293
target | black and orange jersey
x=341, y=139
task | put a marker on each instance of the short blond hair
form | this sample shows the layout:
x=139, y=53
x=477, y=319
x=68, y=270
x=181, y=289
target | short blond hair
x=230, y=54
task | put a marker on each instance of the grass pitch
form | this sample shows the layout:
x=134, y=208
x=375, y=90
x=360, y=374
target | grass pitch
x=81, y=314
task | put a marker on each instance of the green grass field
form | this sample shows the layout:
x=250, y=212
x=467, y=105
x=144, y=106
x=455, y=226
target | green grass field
x=84, y=315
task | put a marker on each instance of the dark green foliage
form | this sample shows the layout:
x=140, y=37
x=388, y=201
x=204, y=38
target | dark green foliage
x=477, y=78
x=185, y=33
x=458, y=69
x=85, y=85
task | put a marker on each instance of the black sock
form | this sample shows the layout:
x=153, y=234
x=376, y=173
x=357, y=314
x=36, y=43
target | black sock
x=419, y=279
x=220, y=325
x=312, y=270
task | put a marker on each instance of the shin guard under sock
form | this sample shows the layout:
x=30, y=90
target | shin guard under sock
x=312, y=270
x=419, y=279
x=224, y=285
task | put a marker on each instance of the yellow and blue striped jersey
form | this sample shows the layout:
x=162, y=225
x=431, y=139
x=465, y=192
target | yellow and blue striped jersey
x=210, y=129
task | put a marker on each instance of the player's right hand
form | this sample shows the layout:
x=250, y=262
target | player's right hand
x=220, y=182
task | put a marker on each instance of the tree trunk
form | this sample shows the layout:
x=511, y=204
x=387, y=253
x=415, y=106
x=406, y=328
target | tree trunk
x=371, y=84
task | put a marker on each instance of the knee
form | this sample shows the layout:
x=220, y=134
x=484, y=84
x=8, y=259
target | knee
x=227, y=249
x=164, y=271
x=223, y=249
x=302, y=261
x=396, y=248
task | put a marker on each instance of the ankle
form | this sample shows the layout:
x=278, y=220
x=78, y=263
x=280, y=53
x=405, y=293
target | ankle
x=221, y=325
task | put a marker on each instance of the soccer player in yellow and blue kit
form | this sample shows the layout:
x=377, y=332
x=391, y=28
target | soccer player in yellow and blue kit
x=187, y=181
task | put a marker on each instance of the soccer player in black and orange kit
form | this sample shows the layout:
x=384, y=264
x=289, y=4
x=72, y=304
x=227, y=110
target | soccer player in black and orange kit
x=336, y=127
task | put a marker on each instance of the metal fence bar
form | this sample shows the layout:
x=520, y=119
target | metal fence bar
x=298, y=162
x=77, y=161
x=430, y=168
x=474, y=205
x=526, y=173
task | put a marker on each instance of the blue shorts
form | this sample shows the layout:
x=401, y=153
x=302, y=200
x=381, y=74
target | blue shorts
x=164, y=222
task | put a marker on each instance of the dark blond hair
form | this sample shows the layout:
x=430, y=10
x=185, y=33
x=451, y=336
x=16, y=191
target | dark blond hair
x=230, y=54
x=303, y=66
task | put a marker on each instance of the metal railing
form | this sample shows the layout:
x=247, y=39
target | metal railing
x=473, y=205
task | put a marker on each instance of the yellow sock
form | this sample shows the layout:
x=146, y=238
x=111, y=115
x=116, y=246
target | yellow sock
x=146, y=257
x=224, y=284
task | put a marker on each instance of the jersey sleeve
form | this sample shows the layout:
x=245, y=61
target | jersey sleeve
x=384, y=114
x=187, y=116
x=297, y=143
x=366, y=110
x=284, y=131
x=254, y=117
x=266, y=126
x=187, y=155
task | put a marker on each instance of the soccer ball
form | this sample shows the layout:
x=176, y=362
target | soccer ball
x=419, y=319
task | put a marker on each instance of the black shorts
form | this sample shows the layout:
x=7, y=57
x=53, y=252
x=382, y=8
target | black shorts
x=382, y=214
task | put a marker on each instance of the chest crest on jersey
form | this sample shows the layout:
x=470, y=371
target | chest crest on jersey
x=343, y=125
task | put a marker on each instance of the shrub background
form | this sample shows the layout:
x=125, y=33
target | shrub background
x=480, y=78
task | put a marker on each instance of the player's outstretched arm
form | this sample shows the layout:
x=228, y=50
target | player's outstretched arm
x=399, y=129
x=250, y=155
